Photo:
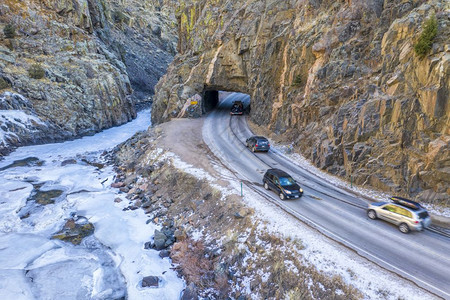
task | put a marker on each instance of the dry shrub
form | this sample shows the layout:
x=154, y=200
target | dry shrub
x=296, y=280
x=195, y=267
x=282, y=280
x=36, y=71
x=297, y=293
x=230, y=241
x=184, y=185
x=3, y=84
x=198, y=268
x=221, y=284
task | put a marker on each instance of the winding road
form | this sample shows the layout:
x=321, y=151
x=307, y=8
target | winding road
x=421, y=257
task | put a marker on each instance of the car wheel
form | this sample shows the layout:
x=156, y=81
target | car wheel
x=282, y=196
x=403, y=228
x=266, y=186
x=372, y=214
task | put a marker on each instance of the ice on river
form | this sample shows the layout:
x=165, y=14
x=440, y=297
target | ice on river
x=107, y=265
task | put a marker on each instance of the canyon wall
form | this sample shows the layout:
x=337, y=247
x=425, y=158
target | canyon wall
x=76, y=67
x=340, y=80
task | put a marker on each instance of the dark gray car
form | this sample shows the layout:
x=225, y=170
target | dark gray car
x=258, y=143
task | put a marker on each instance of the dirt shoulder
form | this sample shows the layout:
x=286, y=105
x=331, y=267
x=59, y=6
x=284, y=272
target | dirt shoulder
x=183, y=137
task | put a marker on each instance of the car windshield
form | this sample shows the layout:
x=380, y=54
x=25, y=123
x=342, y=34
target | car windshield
x=284, y=181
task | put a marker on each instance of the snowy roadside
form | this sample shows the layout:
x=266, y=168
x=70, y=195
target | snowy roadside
x=33, y=265
x=326, y=255
x=181, y=142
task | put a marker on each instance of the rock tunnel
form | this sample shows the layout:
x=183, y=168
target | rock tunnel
x=212, y=99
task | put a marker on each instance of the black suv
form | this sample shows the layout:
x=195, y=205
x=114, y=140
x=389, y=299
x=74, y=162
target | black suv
x=237, y=108
x=258, y=143
x=282, y=183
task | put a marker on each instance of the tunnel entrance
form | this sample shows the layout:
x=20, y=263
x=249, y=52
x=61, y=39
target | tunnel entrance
x=213, y=99
x=210, y=100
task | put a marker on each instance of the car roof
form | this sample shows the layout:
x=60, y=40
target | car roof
x=278, y=172
x=407, y=203
x=259, y=137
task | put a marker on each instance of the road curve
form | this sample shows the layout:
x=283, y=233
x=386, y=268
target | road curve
x=421, y=257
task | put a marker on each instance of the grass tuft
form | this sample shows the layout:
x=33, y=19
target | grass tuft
x=9, y=31
x=3, y=84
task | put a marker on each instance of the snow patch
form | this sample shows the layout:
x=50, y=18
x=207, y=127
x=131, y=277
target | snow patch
x=16, y=118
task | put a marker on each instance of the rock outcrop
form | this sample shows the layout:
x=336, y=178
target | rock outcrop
x=94, y=59
x=338, y=79
x=20, y=124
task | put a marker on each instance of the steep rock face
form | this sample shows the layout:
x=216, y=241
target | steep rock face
x=144, y=37
x=338, y=79
x=88, y=50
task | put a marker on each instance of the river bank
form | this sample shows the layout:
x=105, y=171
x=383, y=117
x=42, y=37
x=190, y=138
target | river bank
x=63, y=235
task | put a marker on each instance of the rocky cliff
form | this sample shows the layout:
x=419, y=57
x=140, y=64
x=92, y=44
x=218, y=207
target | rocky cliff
x=81, y=65
x=340, y=80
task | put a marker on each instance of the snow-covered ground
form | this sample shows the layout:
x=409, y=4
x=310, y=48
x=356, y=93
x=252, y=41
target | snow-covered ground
x=107, y=265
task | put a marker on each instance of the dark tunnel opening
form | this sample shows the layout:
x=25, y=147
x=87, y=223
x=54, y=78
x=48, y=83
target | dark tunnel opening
x=210, y=100
x=213, y=99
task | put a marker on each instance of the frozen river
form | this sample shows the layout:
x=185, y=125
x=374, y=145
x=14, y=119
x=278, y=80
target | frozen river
x=55, y=189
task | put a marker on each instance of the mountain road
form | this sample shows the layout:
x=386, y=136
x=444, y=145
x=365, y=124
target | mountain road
x=340, y=214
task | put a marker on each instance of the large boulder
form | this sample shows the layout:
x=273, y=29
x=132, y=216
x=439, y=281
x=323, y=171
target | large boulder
x=151, y=281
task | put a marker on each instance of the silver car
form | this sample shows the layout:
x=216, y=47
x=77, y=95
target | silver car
x=258, y=143
x=406, y=214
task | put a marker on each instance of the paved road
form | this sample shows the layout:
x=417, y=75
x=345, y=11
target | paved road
x=422, y=257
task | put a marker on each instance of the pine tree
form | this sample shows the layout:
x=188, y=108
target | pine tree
x=429, y=32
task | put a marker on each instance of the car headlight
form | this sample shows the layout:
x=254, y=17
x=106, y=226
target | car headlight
x=288, y=192
x=301, y=190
